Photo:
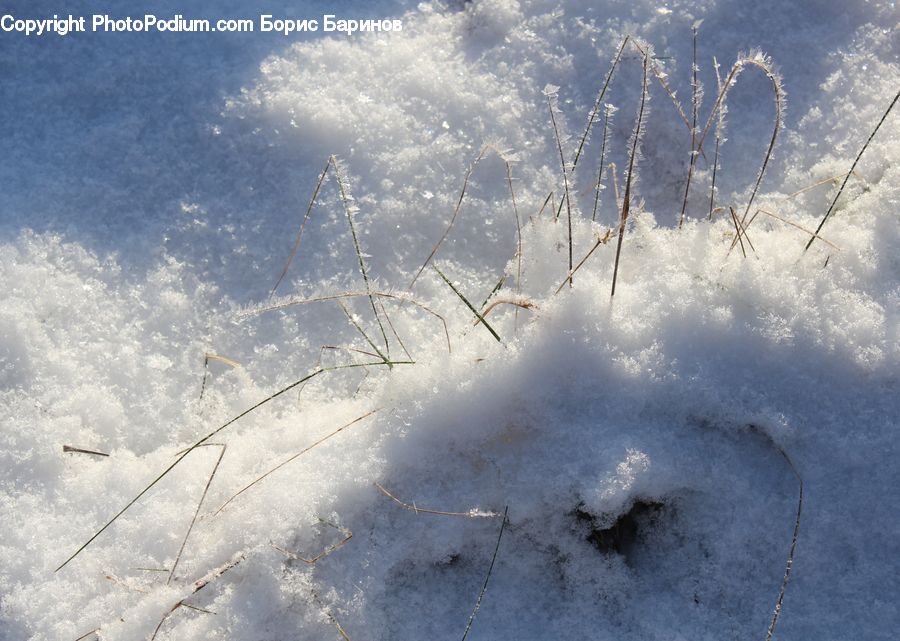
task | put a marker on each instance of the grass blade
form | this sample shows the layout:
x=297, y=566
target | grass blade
x=626, y=201
x=488, y=577
x=468, y=304
x=197, y=511
x=298, y=454
x=350, y=210
x=203, y=440
x=312, y=202
x=550, y=92
x=850, y=173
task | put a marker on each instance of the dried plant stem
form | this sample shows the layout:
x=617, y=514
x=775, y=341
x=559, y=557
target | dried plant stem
x=473, y=513
x=206, y=438
x=601, y=240
x=199, y=505
x=386, y=295
x=488, y=577
x=661, y=78
x=790, y=559
x=850, y=173
x=295, y=456
x=518, y=304
x=78, y=450
x=493, y=291
x=393, y=330
x=350, y=210
x=362, y=331
x=312, y=561
x=512, y=195
x=468, y=304
x=462, y=194
x=599, y=101
x=720, y=131
x=819, y=183
x=737, y=231
x=199, y=585
x=695, y=107
x=312, y=202
x=544, y=206
x=213, y=357
x=551, y=97
x=599, y=187
x=626, y=202
x=765, y=65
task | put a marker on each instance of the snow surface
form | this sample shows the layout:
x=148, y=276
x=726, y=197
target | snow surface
x=152, y=190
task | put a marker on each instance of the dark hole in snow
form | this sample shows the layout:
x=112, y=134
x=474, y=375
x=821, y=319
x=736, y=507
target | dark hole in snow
x=626, y=532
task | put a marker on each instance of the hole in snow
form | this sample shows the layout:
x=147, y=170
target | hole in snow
x=626, y=532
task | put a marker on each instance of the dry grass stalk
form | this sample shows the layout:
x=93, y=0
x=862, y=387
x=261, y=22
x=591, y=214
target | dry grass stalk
x=824, y=181
x=295, y=456
x=359, y=328
x=759, y=60
x=488, y=577
x=792, y=224
x=850, y=173
x=661, y=77
x=512, y=195
x=213, y=357
x=518, y=304
x=607, y=114
x=720, y=132
x=696, y=94
x=601, y=240
x=462, y=194
x=206, y=438
x=199, y=505
x=199, y=585
x=79, y=450
x=551, y=93
x=312, y=560
x=599, y=101
x=386, y=295
x=350, y=210
x=544, y=206
x=472, y=514
x=468, y=304
x=296, y=246
x=626, y=202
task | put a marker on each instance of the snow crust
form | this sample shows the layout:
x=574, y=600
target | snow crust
x=143, y=229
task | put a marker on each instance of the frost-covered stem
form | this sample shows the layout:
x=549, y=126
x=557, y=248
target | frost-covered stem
x=720, y=130
x=850, y=173
x=695, y=107
x=296, y=456
x=762, y=62
x=661, y=78
x=349, y=210
x=465, y=300
x=197, y=511
x=206, y=438
x=790, y=560
x=606, y=116
x=459, y=202
x=599, y=101
x=488, y=577
x=565, y=172
x=312, y=202
x=512, y=195
x=626, y=202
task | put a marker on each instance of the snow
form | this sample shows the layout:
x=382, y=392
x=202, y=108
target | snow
x=154, y=185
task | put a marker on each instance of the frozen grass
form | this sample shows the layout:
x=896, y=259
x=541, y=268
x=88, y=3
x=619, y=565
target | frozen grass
x=688, y=391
